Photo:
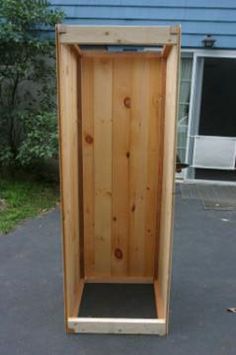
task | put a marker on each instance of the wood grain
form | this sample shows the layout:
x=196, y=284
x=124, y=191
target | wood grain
x=69, y=170
x=103, y=163
x=169, y=161
x=120, y=166
x=88, y=162
x=117, y=131
x=138, y=165
x=147, y=35
x=122, y=147
x=154, y=156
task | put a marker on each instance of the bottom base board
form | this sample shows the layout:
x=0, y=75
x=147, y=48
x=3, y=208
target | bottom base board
x=117, y=325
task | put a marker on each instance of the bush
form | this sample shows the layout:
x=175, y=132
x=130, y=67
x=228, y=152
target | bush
x=40, y=140
x=27, y=82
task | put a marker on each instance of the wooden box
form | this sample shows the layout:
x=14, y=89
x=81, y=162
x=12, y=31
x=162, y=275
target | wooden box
x=117, y=120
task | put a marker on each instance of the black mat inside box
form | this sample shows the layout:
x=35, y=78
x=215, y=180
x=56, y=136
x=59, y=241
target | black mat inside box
x=118, y=300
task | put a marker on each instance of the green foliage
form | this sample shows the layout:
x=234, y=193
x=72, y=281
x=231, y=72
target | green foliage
x=27, y=81
x=37, y=145
x=22, y=199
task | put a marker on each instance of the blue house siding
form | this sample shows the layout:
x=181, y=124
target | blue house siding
x=196, y=17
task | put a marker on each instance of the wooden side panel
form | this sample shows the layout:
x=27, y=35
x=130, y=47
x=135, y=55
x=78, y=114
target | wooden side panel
x=68, y=124
x=169, y=158
x=103, y=164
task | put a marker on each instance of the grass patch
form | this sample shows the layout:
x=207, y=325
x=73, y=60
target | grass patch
x=23, y=199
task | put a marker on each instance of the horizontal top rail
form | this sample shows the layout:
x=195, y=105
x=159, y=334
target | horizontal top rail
x=132, y=35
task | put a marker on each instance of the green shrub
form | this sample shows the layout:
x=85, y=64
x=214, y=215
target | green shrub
x=40, y=139
x=27, y=82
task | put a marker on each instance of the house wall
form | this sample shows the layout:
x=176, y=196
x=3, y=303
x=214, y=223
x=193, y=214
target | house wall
x=197, y=17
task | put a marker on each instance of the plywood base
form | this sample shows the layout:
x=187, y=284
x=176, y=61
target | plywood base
x=117, y=325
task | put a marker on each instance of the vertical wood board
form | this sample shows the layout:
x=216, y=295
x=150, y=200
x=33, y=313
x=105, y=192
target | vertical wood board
x=68, y=126
x=102, y=112
x=121, y=113
x=88, y=164
x=169, y=161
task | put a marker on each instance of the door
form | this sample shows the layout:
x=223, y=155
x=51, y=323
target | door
x=211, y=136
x=215, y=144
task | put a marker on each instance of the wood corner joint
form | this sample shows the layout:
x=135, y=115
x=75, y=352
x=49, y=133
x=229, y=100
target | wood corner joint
x=61, y=29
x=174, y=30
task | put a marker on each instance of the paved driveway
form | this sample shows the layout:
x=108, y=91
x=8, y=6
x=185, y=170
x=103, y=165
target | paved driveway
x=204, y=285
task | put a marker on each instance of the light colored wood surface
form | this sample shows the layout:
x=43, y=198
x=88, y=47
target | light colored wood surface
x=78, y=299
x=121, y=114
x=102, y=163
x=160, y=167
x=122, y=100
x=88, y=164
x=154, y=159
x=158, y=301
x=169, y=162
x=117, y=162
x=138, y=166
x=68, y=126
x=147, y=35
x=117, y=325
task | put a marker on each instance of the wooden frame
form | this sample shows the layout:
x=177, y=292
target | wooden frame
x=117, y=124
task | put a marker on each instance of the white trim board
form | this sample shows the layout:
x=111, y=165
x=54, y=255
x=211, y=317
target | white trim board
x=211, y=53
x=206, y=182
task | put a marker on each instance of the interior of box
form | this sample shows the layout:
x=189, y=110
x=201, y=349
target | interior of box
x=118, y=164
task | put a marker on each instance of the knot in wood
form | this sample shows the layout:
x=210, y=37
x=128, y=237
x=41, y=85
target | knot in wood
x=118, y=253
x=127, y=102
x=89, y=139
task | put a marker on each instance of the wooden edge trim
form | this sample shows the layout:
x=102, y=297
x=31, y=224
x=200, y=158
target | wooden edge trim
x=58, y=60
x=78, y=297
x=117, y=325
x=80, y=163
x=175, y=29
x=177, y=48
x=126, y=280
x=166, y=50
x=160, y=168
x=152, y=35
x=158, y=301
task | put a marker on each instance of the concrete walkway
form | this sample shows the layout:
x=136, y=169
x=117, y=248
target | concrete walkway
x=204, y=285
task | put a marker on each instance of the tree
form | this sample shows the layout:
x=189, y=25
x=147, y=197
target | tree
x=27, y=80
